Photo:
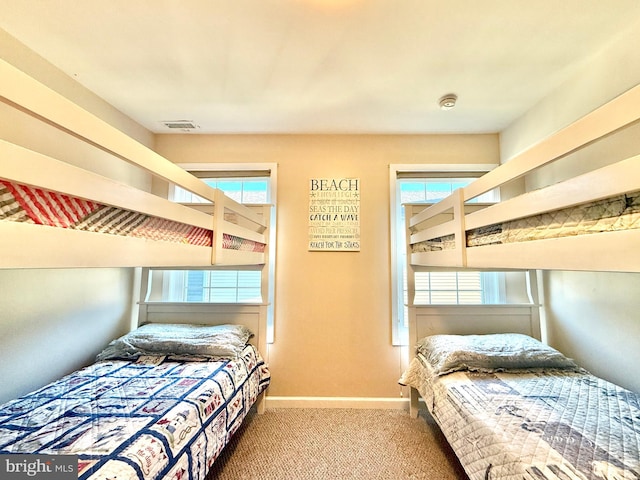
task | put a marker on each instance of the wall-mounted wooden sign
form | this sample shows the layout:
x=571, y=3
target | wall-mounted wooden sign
x=334, y=214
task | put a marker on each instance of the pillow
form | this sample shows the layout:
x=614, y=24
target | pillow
x=490, y=353
x=220, y=341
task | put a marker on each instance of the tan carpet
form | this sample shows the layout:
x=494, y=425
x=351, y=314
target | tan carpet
x=335, y=444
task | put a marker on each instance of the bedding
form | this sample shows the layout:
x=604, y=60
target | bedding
x=534, y=423
x=612, y=214
x=161, y=416
x=490, y=353
x=23, y=203
x=219, y=341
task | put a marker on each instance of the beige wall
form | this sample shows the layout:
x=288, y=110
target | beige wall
x=332, y=311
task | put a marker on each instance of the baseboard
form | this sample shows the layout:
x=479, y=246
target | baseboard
x=337, y=402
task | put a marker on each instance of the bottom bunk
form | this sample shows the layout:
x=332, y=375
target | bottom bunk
x=513, y=408
x=160, y=402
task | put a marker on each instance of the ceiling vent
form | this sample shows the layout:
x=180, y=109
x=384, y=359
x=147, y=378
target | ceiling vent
x=182, y=125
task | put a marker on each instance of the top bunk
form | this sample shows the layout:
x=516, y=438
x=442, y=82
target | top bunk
x=588, y=221
x=54, y=214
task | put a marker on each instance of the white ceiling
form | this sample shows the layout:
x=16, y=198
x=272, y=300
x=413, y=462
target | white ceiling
x=320, y=66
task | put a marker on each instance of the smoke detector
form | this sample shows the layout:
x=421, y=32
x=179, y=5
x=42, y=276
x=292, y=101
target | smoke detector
x=182, y=125
x=448, y=101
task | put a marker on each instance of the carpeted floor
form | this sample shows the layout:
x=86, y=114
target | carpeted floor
x=336, y=444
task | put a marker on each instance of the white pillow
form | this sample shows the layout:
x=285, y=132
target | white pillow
x=220, y=341
x=490, y=353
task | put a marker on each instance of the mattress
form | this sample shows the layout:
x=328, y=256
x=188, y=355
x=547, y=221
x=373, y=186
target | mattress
x=23, y=203
x=157, y=417
x=612, y=214
x=554, y=425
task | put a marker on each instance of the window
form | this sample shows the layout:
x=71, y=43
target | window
x=218, y=286
x=252, y=185
x=242, y=190
x=456, y=288
x=212, y=286
x=409, y=184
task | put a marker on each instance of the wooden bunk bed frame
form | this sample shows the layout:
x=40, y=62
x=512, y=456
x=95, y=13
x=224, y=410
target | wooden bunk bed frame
x=28, y=245
x=455, y=216
x=238, y=235
x=450, y=222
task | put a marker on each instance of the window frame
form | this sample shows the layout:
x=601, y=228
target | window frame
x=399, y=331
x=226, y=169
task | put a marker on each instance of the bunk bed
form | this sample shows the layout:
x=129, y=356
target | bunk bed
x=505, y=409
x=55, y=214
x=150, y=406
x=537, y=229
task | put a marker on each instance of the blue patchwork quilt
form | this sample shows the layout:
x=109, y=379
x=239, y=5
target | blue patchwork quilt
x=159, y=417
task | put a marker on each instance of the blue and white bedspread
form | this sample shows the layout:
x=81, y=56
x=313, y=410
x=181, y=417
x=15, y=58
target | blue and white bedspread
x=155, y=418
x=558, y=425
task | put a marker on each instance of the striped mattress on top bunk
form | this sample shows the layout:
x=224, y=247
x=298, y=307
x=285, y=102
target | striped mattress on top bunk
x=22, y=203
